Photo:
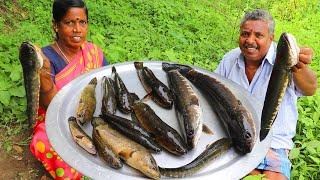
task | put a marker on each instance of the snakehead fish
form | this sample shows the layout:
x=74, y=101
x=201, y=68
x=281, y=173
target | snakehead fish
x=159, y=92
x=213, y=151
x=236, y=119
x=109, y=103
x=164, y=135
x=87, y=102
x=80, y=137
x=132, y=130
x=123, y=97
x=31, y=62
x=287, y=55
x=103, y=146
x=129, y=151
x=187, y=108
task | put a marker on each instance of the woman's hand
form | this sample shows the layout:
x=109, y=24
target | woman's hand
x=47, y=87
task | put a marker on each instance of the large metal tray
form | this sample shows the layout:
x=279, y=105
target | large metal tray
x=229, y=166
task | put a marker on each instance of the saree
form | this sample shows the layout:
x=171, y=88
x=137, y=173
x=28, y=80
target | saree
x=88, y=58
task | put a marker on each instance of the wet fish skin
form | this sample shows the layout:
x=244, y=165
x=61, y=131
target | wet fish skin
x=164, y=135
x=286, y=57
x=236, y=119
x=132, y=130
x=213, y=151
x=87, y=103
x=109, y=103
x=80, y=137
x=123, y=97
x=160, y=93
x=104, y=149
x=187, y=107
x=129, y=151
x=31, y=62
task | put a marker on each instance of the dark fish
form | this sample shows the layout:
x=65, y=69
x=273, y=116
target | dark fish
x=236, y=119
x=123, y=97
x=80, y=137
x=159, y=92
x=163, y=134
x=109, y=103
x=103, y=146
x=31, y=62
x=213, y=151
x=187, y=107
x=129, y=151
x=132, y=130
x=87, y=102
x=286, y=57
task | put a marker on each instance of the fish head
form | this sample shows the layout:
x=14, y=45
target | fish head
x=183, y=69
x=30, y=55
x=289, y=49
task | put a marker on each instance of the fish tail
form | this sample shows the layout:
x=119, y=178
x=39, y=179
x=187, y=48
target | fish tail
x=263, y=133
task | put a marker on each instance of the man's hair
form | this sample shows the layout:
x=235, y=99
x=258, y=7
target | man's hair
x=259, y=14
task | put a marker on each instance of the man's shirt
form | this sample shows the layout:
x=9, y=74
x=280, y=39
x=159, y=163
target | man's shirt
x=232, y=67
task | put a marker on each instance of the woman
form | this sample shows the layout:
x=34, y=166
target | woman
x=69, y=56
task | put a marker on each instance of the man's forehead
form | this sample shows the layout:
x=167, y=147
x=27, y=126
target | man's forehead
x=255, y=25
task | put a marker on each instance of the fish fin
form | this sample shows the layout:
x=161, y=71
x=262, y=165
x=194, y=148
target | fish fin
x=206, y=129
x=146, y=97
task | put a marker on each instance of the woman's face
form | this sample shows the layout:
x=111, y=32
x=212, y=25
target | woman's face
x=72, y=29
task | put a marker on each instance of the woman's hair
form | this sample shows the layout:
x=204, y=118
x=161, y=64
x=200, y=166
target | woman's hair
x=60, y=8
x=259, y=14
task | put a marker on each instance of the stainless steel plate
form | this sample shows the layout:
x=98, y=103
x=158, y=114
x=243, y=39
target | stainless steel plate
x=229, y=166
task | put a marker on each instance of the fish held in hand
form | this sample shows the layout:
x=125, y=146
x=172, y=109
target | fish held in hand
x=87, y=102
x=31, y=62
x=287, y=55
x=80, y=137
x=187, y=108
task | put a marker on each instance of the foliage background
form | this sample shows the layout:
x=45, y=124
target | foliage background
x=196, y=32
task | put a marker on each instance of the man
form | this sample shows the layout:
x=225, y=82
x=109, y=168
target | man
x=251, y=65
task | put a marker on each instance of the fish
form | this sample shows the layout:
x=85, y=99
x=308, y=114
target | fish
x=103, y=146
x=236, y=119
x=287, y=55
x=109, y=102
x=123, y=97
x=164, y=135
x=187, y=108
x=159, y=92
x=80, y=137
x=132, y=153
x=87, y=103
x=31, y=62
x=213, y=151
x=132, y=130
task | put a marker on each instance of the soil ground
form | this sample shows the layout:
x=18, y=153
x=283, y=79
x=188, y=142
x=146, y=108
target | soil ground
x=19, y=163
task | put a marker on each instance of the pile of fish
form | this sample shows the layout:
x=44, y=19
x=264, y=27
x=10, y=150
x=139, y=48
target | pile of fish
x=132, y=141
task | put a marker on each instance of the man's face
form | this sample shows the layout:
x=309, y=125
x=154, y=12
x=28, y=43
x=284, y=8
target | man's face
x=255, y=40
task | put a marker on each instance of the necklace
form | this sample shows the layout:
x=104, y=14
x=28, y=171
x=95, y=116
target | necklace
x=65, y=57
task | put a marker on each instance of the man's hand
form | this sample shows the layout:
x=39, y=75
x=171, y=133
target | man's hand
x=305, y=58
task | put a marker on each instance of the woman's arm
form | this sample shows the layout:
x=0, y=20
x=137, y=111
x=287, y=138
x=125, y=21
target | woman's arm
x=47, y=87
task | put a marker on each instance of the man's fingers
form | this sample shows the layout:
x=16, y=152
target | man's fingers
x=305, y=55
